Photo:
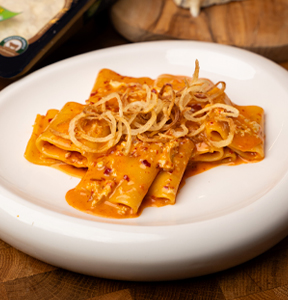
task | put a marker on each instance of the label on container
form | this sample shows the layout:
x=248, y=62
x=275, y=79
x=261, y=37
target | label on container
x=14, y=44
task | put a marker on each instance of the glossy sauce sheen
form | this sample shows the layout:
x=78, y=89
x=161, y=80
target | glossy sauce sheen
x=117, y=178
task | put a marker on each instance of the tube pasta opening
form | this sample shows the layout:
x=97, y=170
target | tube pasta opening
x=135, y=138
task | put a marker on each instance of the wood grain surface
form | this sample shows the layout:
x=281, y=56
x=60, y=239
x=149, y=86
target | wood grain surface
x=23, y=277
x=257, y=25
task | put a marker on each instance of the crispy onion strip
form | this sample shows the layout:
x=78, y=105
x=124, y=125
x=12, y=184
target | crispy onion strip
x=152, y=115
x=196, y=72
x=112, y=124
x=186, y=96
x=228, y=140
x=129, y=135
x=72, y=133
x=143, y=106
x=109, y=97
x=197, y=131
x=178, y=134
x=219, y=92
x=174, y=118
x=159, y=125
x=147, y=126
x=77, y=143
x=172, y=101
x=231, y=112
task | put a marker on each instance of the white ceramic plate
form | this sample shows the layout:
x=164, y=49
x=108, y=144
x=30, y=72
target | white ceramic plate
x=222, y=217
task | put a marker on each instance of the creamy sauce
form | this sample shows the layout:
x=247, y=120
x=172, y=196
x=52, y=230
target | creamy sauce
x=115, y=177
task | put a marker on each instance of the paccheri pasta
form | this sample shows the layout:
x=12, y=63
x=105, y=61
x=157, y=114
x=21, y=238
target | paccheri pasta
x=134, y=138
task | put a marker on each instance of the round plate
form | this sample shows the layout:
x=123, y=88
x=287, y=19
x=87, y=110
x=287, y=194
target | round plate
x=222, y=217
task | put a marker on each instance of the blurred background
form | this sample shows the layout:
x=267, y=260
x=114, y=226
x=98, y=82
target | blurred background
x=260, y=26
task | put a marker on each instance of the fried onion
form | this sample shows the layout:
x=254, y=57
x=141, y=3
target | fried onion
x=151, y=114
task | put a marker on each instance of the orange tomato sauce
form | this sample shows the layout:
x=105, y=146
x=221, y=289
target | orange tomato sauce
x=81, y=200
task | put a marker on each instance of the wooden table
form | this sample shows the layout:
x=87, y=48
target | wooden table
x=23, y=277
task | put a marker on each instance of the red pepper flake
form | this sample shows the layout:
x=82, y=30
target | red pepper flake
x=107, y=171
x=50, y=120
x=126, y=178
x=154, y=91
x=146, y=163
x=93, y=94
x=106, y=81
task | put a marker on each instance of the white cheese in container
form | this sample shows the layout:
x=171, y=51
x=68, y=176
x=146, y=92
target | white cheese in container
x=34, y=15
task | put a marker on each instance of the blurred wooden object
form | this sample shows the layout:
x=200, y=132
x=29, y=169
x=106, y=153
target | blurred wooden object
x=257, y=25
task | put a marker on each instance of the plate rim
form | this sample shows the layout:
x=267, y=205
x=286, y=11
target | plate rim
x=279, y=229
